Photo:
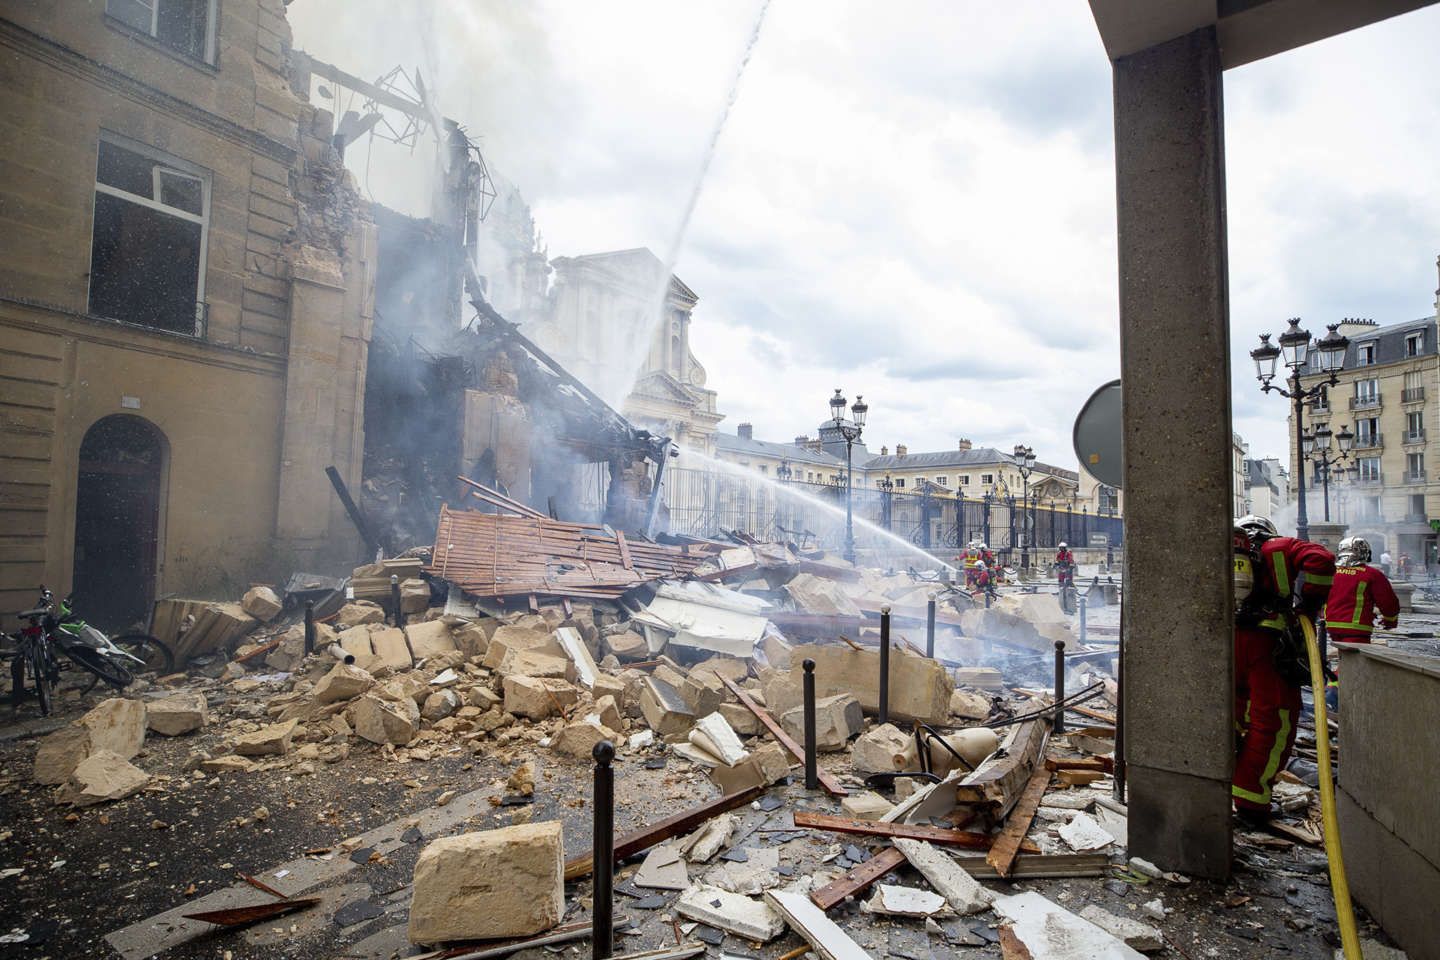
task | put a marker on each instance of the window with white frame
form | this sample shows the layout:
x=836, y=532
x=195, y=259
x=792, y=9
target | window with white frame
x=1369, y=468
x=943, y=481
x=1365, y=354
x=184, y=25
x=1414, y=343
x=1415, y=465
x=899, y=481
x=964, y=479
x=1367, y=390
x=986, y=479
x=147, y=251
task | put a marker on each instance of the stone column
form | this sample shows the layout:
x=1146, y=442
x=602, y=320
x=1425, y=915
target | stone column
x=1175, y=362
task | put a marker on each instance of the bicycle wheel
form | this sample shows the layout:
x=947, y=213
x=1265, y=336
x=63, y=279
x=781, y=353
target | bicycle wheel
x=101, y=666
x=42, y=679
x=157, y=656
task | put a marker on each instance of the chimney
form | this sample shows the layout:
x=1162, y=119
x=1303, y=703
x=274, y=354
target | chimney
x=901, y=449
x=801, y=440
x=884, y=451
x=746, y=431
x=965, y=444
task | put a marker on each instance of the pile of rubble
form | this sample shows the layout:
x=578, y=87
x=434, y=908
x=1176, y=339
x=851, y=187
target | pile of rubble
x=962, y=781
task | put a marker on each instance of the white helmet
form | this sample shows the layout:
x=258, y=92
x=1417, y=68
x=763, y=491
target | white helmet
x=984, y=545
x=1064, y=545
x=1259, y=528
x=1354, y=550
x=980, y=565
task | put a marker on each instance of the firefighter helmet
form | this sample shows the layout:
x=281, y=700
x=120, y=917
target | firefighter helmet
x=1259, y=528
x=980, y=565
x=1355, y=550
x=1064, y=545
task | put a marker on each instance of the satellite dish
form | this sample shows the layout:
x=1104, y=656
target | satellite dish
x=1099, y=441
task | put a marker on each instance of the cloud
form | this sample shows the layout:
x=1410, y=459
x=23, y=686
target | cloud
x=915, y=203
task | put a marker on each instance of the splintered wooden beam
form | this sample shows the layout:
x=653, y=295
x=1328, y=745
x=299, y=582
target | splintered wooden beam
x=998, y=782
x=241, y=916
x=858, y=879
x=1097, y=764
x=647, y=837
x=910, y=831
x=828, y=782
x=1002, y=854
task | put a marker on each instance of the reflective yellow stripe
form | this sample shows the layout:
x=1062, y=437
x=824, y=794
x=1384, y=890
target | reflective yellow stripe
x=1272, y=766
x=1274, y=623
x=1282, y=577
x=1319, y=579
x=1360, y=607
x=1353, y=627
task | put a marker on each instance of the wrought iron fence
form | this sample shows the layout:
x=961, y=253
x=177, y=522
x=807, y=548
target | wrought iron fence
x=704, y=503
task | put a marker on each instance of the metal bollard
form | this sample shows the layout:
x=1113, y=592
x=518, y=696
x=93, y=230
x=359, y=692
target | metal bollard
x=602, y=912
x=1083, y=604
x=1059, y=726
x=885, y=664
x=309, y=627
x=812, y=774
x=395, y=600
x=930, y=627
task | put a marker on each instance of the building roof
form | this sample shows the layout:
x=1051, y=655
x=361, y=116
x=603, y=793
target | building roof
x=1389, y=344
x=974, y=457
x=731, y=443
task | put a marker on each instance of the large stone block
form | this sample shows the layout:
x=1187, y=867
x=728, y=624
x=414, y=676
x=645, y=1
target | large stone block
x=430, y=639
x=920, y=688
x=357, y=612
x=102, y=776
x=533, y=663
x=262, y=603
x=271, y=739
x=391, y=649
x=537, y=698
x=385, y=721
x=837, y=719
x=117, y=725
x=508, y=882
x=511, y=637
x=177, y=714
x=60, y=753
x=345, y=681
x=884, y=749
x=665, y=711
x=578, y=739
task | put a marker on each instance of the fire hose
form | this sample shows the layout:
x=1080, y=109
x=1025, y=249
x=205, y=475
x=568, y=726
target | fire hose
x=1339, y=885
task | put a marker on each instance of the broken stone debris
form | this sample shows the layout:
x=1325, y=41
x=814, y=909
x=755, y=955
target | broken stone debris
x=385, y=721
x=732, y=912
x=900, y=901
x=714, y=735
x=507, y=882
x=177, y=714
x=102, y=776
x=117, y=725
x=1047, y=929
x=837, y=719
x=962, y=891
x=866, y=805
x=884, y=749
x=1137, y=935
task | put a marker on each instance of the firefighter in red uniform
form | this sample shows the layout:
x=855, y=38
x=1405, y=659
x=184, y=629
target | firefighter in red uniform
x=1065, y=565
x=1359, y=593
x=1285, y=575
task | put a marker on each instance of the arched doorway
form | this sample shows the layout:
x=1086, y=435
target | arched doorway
x=117, y=520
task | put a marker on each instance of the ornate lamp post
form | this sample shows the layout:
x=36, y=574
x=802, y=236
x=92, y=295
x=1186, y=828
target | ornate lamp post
x=1318, y=442
x=1295, y=347
x=1025, y=461
x=850, y=430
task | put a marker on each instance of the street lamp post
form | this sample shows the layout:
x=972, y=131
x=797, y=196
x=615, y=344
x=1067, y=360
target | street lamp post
x=1025, y=461
x=1319, y=442
x=850, y=430
x=1295, y=347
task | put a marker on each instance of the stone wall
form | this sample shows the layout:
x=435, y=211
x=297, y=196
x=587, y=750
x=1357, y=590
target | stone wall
x=1389, y=828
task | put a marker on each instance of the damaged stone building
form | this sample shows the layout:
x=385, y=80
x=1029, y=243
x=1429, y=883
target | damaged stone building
x=185, y=305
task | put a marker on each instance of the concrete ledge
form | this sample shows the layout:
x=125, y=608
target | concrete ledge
x=1399, y=887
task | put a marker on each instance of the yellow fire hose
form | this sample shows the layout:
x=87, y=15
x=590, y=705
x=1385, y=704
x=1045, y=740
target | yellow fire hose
x=1339, y=886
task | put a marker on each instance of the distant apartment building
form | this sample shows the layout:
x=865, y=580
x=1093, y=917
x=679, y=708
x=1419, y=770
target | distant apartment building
x=1387, y=396
x=1267, y=487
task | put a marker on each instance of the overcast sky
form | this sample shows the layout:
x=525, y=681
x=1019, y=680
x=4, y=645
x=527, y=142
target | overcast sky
x=914, y=202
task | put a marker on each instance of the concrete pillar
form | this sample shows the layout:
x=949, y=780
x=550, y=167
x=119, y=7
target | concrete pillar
x=1175, y=362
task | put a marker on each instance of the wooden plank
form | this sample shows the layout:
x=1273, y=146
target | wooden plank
x=831, y=785
x=646, y=837
x=624, y=550
x=968, y=839
x=1002, y=854
x=1029, y=866
x=497, y=499
x=1097, y=764
x=858, y=879
x=999, y=781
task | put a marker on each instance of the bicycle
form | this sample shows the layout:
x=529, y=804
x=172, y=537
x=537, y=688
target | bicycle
x=34, y=653
x=103, y=658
